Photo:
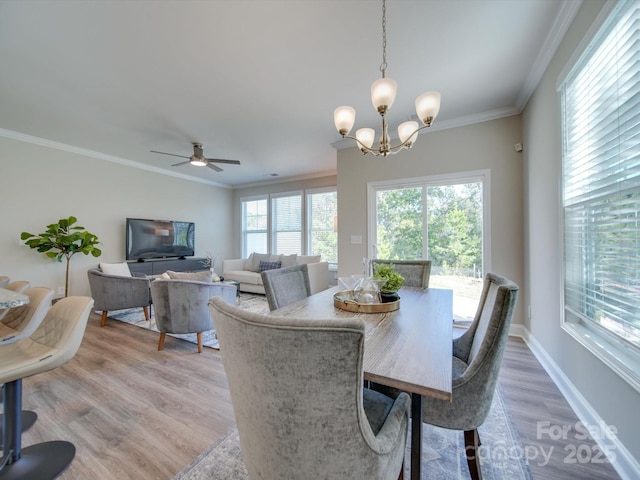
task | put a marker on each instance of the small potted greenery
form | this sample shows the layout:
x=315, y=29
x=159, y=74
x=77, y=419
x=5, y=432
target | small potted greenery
x=63, y=240
x=389, y=291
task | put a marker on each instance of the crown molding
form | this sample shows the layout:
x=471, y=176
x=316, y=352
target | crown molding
x=43, y=142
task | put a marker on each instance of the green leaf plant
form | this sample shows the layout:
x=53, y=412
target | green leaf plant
x=63, y=240
x=394, y=279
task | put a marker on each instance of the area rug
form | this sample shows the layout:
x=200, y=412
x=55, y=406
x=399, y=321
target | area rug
x=443, y=458
x=135, y=316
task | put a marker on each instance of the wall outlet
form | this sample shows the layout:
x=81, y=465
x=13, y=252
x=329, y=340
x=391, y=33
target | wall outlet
x=60, y=290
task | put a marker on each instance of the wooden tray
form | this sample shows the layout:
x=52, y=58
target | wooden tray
x=340, y=300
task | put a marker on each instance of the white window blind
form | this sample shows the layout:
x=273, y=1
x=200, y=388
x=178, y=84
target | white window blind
x=601, y=180
x=254, y=226
x=286, y=224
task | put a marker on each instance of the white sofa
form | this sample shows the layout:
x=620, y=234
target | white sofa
x=246, y=271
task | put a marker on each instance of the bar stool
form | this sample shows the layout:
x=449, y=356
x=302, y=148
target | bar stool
x=54, y=343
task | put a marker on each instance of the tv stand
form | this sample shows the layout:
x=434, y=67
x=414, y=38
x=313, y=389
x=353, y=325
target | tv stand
x=158, y=267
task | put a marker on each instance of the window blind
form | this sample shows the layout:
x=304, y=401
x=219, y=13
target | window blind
x=601, y=179
x=286, y=221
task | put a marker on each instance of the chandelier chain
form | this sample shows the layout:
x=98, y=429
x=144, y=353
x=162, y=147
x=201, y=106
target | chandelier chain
x=383, y=65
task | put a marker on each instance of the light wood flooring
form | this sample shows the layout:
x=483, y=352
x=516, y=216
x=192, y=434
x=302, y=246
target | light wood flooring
x=136, y=413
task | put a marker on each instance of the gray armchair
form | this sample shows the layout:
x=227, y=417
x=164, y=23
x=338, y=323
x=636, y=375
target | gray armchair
x=477, y=356
x=181, y=306
x=301, y=411
x=416, y=273
x=114, y=292
x=283, y=286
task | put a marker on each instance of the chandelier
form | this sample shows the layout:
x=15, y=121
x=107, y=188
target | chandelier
x=383, y=93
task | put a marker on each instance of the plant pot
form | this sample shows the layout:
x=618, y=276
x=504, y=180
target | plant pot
x=386, y=297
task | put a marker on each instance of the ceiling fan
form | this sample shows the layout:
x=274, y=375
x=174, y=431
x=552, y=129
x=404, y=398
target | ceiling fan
x=199, y=160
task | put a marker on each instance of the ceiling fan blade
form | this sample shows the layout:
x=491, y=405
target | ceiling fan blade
x=181, y=163
x=220, y=160
x=213, y=167
x=171, y=154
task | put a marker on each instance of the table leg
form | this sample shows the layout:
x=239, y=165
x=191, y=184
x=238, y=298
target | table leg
x=416, y=436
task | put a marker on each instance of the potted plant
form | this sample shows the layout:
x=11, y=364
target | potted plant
x=388, y=291
x=63, y=240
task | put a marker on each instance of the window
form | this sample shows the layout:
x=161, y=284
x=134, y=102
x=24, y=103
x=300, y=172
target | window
x=322, y=225
x=440, y=219
x=286, y=224
x=601, y=194
x=302, y=222
x=254, y=226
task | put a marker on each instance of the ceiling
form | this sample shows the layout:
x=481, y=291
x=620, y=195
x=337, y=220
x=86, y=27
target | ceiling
x=257, y=80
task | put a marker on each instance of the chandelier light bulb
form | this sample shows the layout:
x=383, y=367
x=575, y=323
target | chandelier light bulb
x=383, y=94
x=408, y=132
x=344, y=117
x=366, y=136
x=427, y=107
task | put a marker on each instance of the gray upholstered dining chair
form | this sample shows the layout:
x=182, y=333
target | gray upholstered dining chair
x=19, y=286
x=477, y=356
x=283, y=286
x=296, y=390
x=20, y=322
x=416, y=273
x=115, y=292
x=182, y=306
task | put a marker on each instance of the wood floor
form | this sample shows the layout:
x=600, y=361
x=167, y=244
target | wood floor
x=136, y=413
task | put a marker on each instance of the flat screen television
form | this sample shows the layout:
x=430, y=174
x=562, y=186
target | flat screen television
x=148, y=239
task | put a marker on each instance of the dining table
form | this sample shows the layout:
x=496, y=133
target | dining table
x=409, y=349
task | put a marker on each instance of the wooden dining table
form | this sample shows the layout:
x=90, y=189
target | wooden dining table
x=409, y=349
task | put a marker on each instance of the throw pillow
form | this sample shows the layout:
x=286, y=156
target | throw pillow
x=197, y=276
x=257, y=258
x=119, y=269
x=269, y=266
x=288, y=260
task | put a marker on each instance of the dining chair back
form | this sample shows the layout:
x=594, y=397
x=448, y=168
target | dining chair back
x=53, y=343
x=283, y=286
x=299, y=404
x=477, y=356
x=20, y=322
x=416, y=273
x=19, y=286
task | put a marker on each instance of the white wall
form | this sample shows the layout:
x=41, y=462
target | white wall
x=487, y=145
x=40, y=185
x=612, y=399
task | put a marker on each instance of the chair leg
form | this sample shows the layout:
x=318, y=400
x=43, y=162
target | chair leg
x=146, y=314
x=199, y=335
x=42, y=460
x=161, y=340
x=103, y=319
x=471, y=444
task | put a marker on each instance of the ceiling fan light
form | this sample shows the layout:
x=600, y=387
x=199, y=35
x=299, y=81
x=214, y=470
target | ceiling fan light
x=344, y=117
x=383, y=94
x=427, y=107
x=408, y=131
x=197, y=162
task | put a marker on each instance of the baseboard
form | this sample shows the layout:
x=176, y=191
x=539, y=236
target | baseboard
x=625, y=464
